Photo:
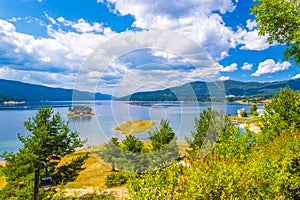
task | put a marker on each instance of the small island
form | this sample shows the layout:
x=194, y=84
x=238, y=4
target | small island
x=80, y=111
x=135, y=126
x=14, y=102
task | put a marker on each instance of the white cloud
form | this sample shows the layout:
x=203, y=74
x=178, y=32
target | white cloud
x=127, y=78
x=269, y=66
x=50, y=19
x=195, y=19
x=82, y=26
x=60, y=53
x=224, y=78
x=296, y=76
x=14, y=19
x=250, y=40
x=247, y=66
x=230, y=68
x=5, y=26
x=251, y=24
x=37, y=77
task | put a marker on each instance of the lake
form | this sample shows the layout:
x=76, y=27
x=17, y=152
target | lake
x=109, y=114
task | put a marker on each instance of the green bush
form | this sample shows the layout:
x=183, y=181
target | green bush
x=116, y=179
x=244, y=114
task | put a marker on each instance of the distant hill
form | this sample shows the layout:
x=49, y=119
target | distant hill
x=18, y=91
x=235, y=90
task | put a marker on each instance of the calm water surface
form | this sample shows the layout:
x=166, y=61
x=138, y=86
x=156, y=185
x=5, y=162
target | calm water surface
x=109, y=114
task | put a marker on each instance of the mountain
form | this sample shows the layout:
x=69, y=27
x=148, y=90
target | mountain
x=234, y=90
x=18, y=91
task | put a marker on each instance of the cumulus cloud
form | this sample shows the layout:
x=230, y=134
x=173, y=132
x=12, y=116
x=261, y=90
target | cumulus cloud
x=195, y=19
x=60, y=53
x=128, y=77
x=250, y=40
x=69, y=43
x=269, y=66
x=82, y=26
x=296, y=76
x=247, y=66
x=38, y=77
x=251, y=24
x=224, y=78
x=230, y=68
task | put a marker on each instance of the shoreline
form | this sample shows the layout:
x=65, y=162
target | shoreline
x=80, y=115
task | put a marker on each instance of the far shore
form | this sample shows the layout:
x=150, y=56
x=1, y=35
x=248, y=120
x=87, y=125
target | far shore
x=13, y=102
x=80, y=115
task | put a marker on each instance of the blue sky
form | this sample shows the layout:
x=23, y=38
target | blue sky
x=52, y=42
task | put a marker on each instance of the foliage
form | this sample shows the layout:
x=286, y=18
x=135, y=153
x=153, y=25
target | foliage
x=132, y=144
x=253, y=110
x=117, y=179
x=161, y=136
x=111, y=152
x=160, y=184
x=280, y=21
x=49, y=140
x=239, y=166
x=282, y=114
x=210, y=124
x=80, y=109
x=243, y=113
x=133, y=157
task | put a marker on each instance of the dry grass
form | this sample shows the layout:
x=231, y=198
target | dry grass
x=2, y=177
x=136, y=126
x=95, y=172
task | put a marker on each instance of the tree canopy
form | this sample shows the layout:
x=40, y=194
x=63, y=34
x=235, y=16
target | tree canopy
x=280, y=21
x=49, y=140
x=132, y=155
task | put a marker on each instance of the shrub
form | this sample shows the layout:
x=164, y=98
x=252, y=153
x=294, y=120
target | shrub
x=116, y=179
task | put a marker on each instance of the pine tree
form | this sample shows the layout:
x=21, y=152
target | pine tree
x=50, y=139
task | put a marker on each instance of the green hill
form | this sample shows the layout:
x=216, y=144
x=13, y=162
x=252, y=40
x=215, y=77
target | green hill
x=18, y=91
x=198, y=91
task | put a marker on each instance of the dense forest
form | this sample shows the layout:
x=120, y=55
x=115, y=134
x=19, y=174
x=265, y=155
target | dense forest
x=198, y=91
x=18, y=91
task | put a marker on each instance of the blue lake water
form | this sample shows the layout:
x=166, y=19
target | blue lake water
x=109, y=114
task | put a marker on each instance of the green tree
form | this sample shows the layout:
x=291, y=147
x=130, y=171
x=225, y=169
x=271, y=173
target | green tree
x=253, y=110
x=132, y=144
x=282, y=114
x=162, y=136
x=210, y=124
x=280, y=21
x=49, y=140
x=80, y=109
x=164, y=146
x=244, y=113
x=111, y=152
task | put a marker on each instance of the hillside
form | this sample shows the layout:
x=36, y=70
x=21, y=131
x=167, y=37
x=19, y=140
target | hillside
x=18, y=91
x=199, y=91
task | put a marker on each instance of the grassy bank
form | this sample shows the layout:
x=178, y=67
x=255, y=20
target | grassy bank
x=136, y=126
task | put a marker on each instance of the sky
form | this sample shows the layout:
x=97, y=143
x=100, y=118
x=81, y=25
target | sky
x=124, y=46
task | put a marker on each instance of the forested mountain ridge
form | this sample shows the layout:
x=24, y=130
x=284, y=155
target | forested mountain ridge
x=18, y=91
x=234, y=90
